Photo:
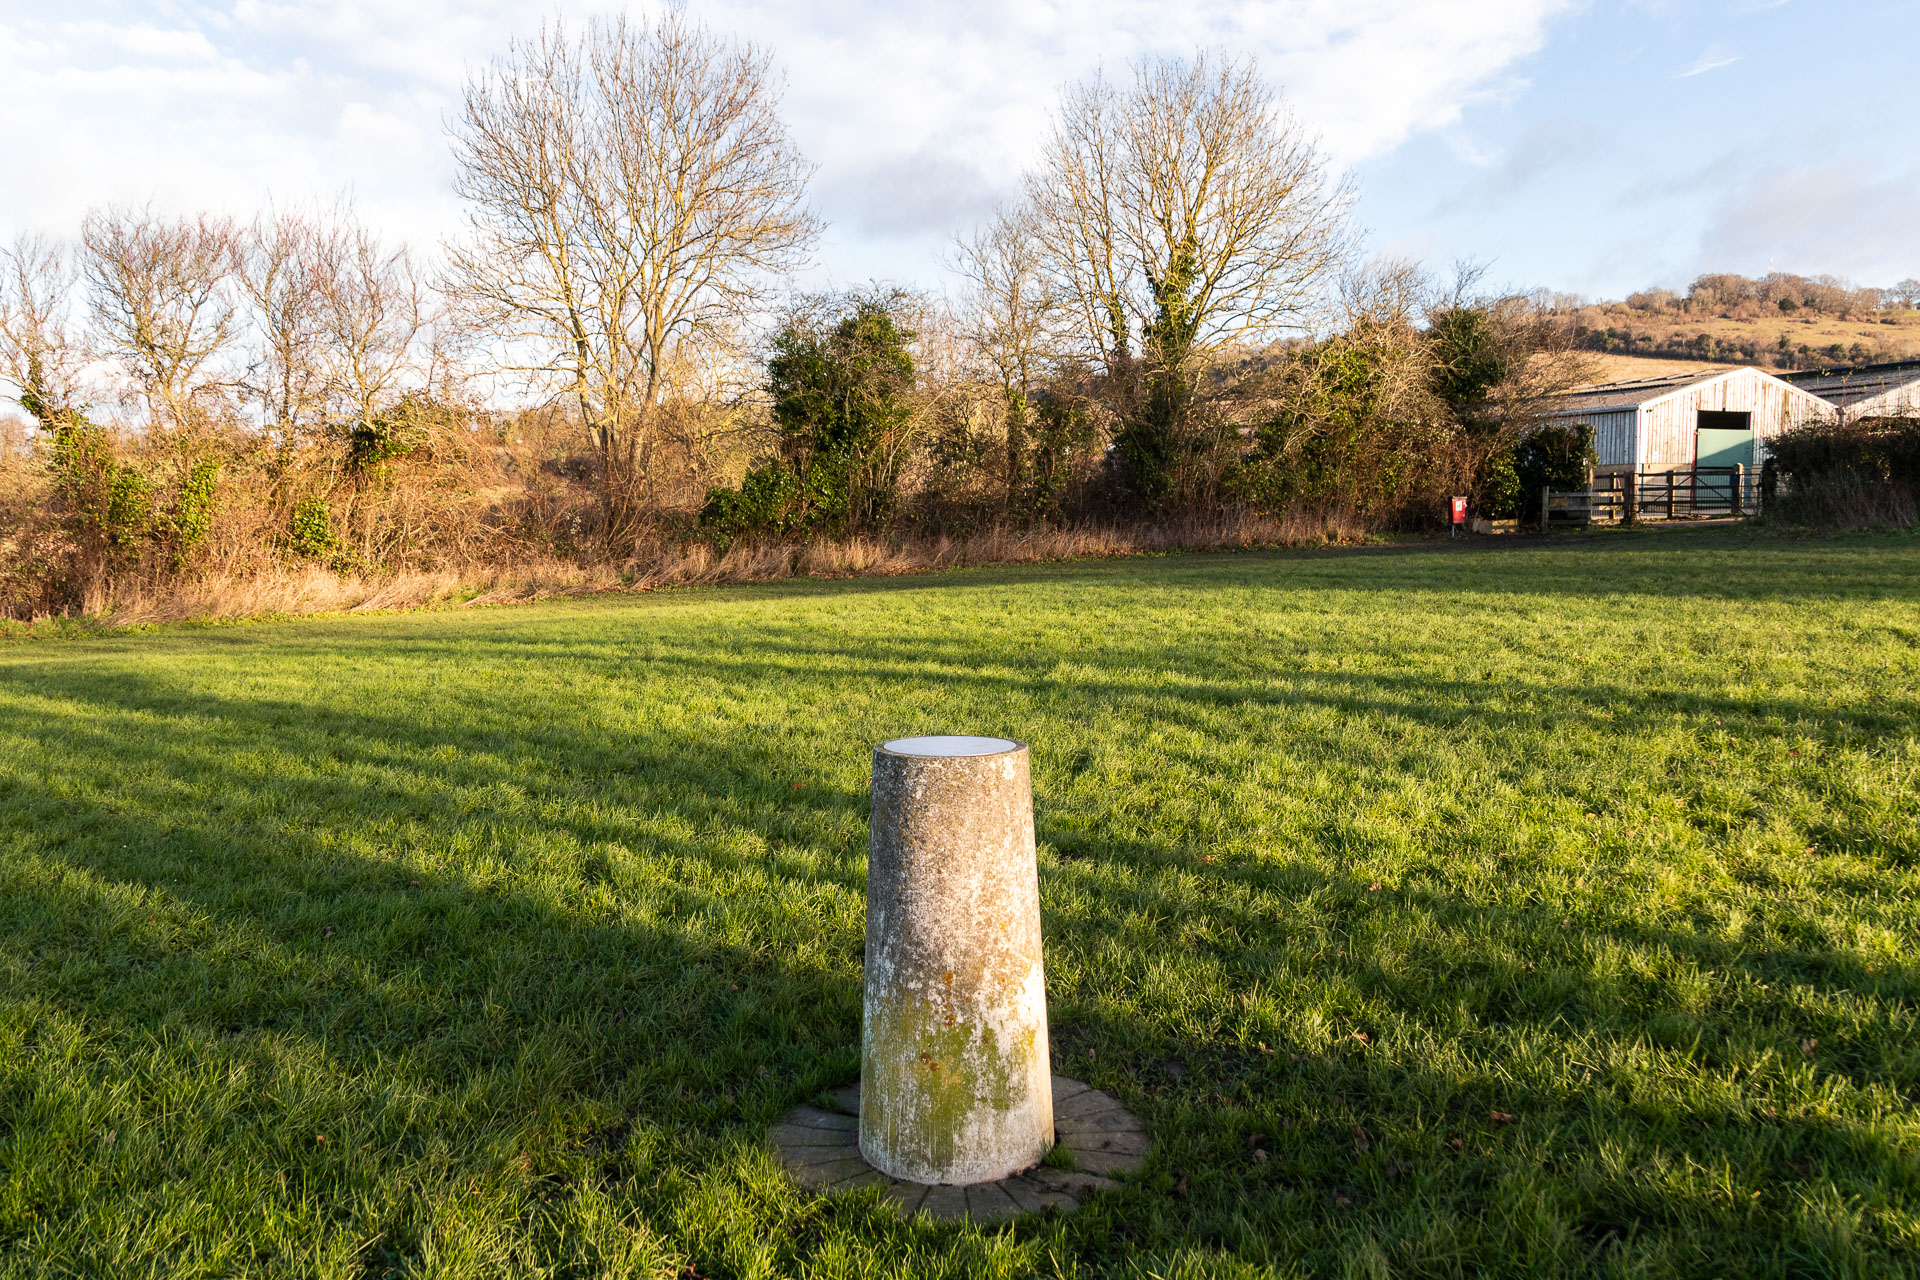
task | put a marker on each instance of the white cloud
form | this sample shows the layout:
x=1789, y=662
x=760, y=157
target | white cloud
x=1715, y=57
x=917, y=115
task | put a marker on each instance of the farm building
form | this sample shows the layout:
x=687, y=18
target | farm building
x=1867, y=390
x=1713, y=418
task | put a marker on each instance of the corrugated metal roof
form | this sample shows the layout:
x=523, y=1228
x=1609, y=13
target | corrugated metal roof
x=1630, y=395
x=1850, y=384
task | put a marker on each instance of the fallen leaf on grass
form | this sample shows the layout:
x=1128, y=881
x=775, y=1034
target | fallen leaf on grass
x=1807, y=1046
x=1360, y=1142
x=1499, y=1117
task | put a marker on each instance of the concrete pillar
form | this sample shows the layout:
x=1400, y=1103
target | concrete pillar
x=955, y=1084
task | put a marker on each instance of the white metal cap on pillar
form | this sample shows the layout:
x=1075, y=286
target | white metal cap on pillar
x=956, y=1085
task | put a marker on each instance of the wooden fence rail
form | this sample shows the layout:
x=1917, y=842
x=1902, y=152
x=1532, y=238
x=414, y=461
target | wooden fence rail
x=1693, y=493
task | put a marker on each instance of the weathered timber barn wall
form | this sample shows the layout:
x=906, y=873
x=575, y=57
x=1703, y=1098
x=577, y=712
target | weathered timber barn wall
x=1654, y=424
x=1612, y=435
x=1901, y=402
x=1866, y=390
x=1669, y=425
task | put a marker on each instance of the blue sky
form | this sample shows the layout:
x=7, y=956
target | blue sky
x=1587, y=147
x=1645, y=143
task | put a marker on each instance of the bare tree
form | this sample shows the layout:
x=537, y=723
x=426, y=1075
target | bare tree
x=162, y=302
x=1012, y=311
x=708, y=416
x=1013, y=318
x=1189, y=211
x=1179, y=216
x=371, y=309
x=285, y=375
x=630, y=192
x=1079, y=199
x=41, y=352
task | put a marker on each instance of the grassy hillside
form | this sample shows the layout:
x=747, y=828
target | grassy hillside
x=1543, y=912
x=1811, y=340
x=1612, y=368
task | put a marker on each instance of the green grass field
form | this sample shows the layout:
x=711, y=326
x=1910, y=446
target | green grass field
x=1543, y=912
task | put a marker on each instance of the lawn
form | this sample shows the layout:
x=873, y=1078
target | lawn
x=1533, y=911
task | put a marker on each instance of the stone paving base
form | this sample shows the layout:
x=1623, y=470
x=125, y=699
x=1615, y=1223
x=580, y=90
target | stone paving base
x=1092, y=1131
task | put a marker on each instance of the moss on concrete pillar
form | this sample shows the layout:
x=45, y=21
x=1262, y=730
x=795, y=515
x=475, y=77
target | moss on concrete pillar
x=955, y=1078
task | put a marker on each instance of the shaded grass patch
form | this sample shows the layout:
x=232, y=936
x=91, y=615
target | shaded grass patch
x=1548, y=912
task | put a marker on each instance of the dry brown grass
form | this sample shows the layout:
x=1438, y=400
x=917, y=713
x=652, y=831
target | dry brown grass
x=286, y=589
x=1609, y=367
x=1893, y=336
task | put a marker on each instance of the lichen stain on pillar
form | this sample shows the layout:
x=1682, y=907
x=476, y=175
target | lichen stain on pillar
x=956, y=1085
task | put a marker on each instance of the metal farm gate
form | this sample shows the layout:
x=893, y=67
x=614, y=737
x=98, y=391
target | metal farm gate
x=1693, y=493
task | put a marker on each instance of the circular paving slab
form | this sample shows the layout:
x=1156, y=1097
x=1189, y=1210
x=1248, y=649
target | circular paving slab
x=1094, y=1137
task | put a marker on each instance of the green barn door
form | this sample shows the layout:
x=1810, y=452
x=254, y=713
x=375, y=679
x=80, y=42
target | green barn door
x=1724, y=440
x=1721, y=440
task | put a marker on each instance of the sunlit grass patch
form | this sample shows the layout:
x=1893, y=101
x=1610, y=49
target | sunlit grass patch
x=1547, y=912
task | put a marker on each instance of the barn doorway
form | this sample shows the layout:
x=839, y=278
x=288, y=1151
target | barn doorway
x=1722, y=461
x=1723, y=439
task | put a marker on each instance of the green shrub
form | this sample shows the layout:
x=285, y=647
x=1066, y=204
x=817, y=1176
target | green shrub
x=1863, y=474
x=190, y=517
x=1062, y=433
x=310, y=531
x=129, y=512
x=841, y=398
x=1500, y=491
x=768, y=502
x=397, y=431
x=1873, y=449
x=1354, y=431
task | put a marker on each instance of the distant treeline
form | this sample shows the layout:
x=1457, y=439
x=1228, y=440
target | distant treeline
x=1741, y=297
x=1783, y=353
x=1653, y=322
x=1168, y=328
